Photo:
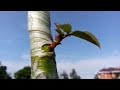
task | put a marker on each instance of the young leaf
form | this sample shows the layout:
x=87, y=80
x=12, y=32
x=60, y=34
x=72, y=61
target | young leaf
x=86, y=36
x=65, y=27
x=57, y=38
x=60, y=32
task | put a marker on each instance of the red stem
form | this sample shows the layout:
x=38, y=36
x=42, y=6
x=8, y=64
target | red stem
x=54, y=44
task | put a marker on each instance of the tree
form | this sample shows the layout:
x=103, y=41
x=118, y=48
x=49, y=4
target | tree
x=64, y=75
x=74, y=75
x=96, y=77
x=43, y=60
x=3, y=73
x=42, y=44
x=24, y=73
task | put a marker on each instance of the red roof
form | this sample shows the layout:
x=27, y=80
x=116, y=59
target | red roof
x=111, y=69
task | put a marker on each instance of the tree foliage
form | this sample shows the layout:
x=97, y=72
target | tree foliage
x=3, y=73
x=64, y=75
x=72, y=75
x=24, y=73
x=96, y=77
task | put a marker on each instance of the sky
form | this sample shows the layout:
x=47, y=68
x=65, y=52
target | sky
x=76, y=53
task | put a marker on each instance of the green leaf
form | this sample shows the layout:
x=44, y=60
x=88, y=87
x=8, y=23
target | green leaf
x=65, y=27
x=86, y=36
x=60, y=32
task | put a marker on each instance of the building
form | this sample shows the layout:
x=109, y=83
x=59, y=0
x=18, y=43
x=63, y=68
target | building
x=108, y=73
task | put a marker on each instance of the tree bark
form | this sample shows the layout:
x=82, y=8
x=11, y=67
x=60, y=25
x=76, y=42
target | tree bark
x=43, y=64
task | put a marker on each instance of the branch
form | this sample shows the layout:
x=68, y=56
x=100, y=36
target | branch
x=58, y=40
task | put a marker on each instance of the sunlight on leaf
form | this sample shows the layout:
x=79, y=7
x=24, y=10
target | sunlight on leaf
x=65, y=27
x=60, y=32
x=86, y=36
